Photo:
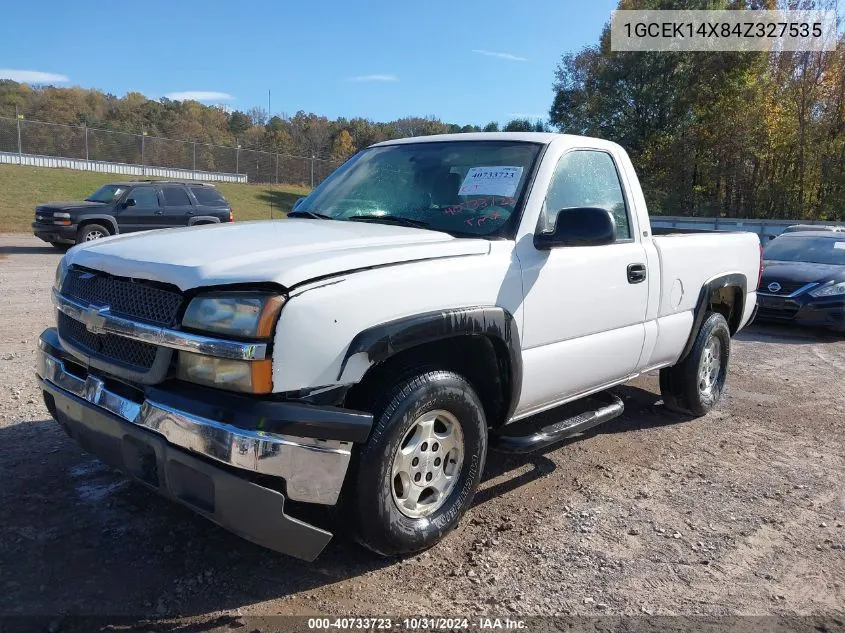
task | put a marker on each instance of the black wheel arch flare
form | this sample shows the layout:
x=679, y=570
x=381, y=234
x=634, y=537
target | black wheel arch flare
x=109, y=220
x=382, y=341
x=732, y=280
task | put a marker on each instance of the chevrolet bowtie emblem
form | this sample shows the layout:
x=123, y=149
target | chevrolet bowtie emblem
x=94, y=319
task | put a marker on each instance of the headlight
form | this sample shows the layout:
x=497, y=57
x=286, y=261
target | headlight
x=61, y=273
x=244, y=314
x=62, y=218
x=829, y=290
x=235, y=375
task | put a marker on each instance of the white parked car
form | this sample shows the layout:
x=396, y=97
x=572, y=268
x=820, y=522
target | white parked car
x=418, y=305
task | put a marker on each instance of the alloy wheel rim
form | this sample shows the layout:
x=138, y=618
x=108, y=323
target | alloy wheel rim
x=711, y=365
x=93, y=235
x=427, y=464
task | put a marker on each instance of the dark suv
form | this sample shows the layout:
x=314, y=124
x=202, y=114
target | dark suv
x=125, y=207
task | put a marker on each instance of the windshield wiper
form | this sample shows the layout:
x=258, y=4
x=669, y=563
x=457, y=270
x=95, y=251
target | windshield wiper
x=309, y=214
x=392, y=219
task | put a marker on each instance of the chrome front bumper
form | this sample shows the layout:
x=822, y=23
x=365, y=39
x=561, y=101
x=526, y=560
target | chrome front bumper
x=313, y=469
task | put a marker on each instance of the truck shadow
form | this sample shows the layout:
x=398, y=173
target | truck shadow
x=84, y=540
x=30, y=250
x=643, y=410
x=787, y=334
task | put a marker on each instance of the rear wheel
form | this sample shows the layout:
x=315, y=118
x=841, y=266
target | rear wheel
x=91, y=232
x=694, y=386
x=417, y=475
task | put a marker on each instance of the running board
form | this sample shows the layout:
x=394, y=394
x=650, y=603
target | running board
x=609, y=407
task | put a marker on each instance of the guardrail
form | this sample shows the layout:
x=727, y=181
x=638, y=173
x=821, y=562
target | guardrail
x=118, y=168
x=766, y=229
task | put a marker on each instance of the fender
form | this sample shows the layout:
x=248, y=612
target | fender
x=100, y=217
x=207, y=219
x=382, y=341
x=735, y=280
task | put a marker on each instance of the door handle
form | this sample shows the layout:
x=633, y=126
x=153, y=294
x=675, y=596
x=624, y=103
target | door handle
x=159, y=212
x=636, y=273
x=189, y=212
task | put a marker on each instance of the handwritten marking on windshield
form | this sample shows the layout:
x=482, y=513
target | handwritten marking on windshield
x=480, y=220
x=480, y=203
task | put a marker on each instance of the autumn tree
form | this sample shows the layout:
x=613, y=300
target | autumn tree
x=343, y=146
x=723, y=133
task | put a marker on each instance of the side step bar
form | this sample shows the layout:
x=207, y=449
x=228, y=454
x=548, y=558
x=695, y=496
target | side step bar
x=609, y=407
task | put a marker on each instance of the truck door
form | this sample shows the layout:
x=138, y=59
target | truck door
x=584, y=306
x=140, y=210
x=178, y=208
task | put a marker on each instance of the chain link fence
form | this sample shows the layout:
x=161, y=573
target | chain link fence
x=36, y=138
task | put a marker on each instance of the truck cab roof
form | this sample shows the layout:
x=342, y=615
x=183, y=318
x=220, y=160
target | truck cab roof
x=134, y=183
x=543, y=138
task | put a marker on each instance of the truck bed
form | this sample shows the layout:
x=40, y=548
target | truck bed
x=689, y=260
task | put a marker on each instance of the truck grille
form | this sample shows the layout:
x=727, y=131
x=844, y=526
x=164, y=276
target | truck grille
x=115, y=349
x=130, y=299
x=140, y=301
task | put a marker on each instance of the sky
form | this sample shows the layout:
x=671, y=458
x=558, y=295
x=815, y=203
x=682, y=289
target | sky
x=463, y=61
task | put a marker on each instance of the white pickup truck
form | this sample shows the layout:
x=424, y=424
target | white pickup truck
x=420, y=305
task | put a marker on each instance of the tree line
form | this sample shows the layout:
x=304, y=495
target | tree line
x=302, y=134
x=752, y=134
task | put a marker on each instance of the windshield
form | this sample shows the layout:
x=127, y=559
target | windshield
x=107, y=193
x=818, y=250
x=461, y=187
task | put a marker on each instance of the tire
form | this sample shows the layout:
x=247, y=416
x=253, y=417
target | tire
x=378, y=489
x=689, y=387
x=91, y=232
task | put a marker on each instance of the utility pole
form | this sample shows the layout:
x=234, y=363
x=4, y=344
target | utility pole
x=18, y=118
x=86, y=141
x=194, y=176
x=143, y=167
x=269, y=107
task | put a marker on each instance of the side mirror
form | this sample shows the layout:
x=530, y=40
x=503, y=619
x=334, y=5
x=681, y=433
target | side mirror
x=582, y=226
x=297, y=203
x=130, y=202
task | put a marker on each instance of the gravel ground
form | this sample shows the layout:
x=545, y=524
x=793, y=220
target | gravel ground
x=739, y=512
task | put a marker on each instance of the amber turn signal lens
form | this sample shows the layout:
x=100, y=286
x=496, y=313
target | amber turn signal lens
x=262, y=376
x=269, y=316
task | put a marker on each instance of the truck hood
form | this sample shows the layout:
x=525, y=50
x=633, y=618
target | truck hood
x=70, y=205
x=286, y=252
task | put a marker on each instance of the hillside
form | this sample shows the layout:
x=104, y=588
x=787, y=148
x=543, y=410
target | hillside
x=21, y=188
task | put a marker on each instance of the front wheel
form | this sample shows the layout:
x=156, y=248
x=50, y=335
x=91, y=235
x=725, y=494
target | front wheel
x=695, y=385
x=91, y=232
x=418, y=473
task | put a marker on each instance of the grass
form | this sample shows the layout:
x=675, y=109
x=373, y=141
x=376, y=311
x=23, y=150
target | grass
x=21, y=188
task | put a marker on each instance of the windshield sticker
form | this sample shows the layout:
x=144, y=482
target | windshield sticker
x=491, y=181
x=839, y=245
